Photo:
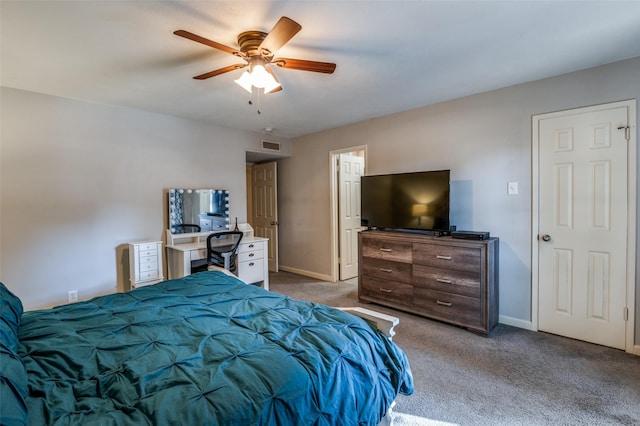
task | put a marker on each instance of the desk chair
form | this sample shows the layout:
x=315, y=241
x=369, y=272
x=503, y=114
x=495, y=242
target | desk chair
x=219, y=255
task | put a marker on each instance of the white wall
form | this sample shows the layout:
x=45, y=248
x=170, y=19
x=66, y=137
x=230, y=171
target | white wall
x=484, y=139
x=80, y=180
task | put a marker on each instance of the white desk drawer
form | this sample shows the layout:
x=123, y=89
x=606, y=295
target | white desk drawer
x=198, y=254
x=251, y=271
x=251, y=255
x=246, y=247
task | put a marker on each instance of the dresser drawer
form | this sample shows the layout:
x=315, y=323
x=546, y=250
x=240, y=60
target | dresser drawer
x=454, y=308
x=386, y=290
x=448, y=256
x=387, y=249
x=447, y=280
x=387, y=270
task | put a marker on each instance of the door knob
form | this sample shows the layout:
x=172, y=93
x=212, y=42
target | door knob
x=546, y=237
x=274, y=224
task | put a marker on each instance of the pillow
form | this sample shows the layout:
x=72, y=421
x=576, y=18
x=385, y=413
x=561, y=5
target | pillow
x=13, y=374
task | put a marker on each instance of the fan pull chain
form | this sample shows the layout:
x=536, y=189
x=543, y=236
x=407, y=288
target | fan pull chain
x=259, y=101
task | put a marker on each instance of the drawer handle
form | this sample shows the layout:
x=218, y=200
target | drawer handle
x=447, y=304
x=252, y=254
x=386, y=270
x=251, y=264
x=386, y=250
x=443, y=280
x=385, y=290
x=250, y=245
x=443, y=257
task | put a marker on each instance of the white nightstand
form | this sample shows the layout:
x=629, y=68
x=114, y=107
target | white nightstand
x=145, y=263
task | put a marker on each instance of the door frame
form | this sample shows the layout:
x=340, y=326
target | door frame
x=631, y=212
x=333, y=205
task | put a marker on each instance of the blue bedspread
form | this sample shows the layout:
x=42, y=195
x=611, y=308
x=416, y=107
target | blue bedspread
x=206, y=349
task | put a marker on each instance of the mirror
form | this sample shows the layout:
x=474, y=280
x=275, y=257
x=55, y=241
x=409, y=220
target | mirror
x=198, y=210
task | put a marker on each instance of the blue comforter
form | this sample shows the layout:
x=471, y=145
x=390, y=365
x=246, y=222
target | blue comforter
x=206, y=349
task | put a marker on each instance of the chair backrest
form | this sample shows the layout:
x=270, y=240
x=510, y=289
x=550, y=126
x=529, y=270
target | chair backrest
x=224, y=255
x=185, y=228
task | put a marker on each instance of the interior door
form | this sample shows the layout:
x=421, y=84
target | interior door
x=265, y=208
x=583, y=225
x=350, y=169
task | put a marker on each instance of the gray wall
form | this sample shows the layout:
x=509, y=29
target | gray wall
x=80, y=180
x=484, y=139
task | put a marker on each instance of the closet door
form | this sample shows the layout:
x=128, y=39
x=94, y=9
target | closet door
x=265, y=208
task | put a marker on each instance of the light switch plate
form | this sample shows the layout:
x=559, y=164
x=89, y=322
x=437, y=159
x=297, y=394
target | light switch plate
x=512, y=188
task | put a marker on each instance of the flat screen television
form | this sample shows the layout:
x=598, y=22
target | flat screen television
x=416, y=201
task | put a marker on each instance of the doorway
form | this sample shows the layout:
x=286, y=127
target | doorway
x=584, y=224
x=346, y=166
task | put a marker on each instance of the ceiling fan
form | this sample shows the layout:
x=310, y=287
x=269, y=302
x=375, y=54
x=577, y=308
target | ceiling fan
x=257, y=49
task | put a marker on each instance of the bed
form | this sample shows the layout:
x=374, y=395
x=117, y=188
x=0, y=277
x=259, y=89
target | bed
x=203, y=349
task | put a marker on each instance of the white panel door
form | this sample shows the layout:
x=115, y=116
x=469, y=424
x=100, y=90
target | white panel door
x=351, y=169
x=265, y=208
x=583, y=226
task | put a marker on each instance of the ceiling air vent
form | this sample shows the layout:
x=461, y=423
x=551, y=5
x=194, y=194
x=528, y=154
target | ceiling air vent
x=270, y=146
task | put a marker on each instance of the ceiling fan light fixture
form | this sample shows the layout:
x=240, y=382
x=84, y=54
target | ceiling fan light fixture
x=258, y=76
x=244, y=81
x=271, y=83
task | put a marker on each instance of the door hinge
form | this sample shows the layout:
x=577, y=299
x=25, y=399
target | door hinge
x=626, y=314
x=627, y=132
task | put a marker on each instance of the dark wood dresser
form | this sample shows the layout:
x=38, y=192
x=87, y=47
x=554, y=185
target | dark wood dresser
x=451, y=280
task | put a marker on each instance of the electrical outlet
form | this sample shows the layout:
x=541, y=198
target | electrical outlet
x=72, y=296
x=512, y=188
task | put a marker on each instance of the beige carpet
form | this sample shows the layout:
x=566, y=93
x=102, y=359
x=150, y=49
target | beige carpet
x=515, y=377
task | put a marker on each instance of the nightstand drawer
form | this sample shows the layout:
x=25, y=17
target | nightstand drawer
x=447, y=280
x=147, y=253
x=448, y=256
x=149, y=266
x=387, y=270
x=149, y=275
x=386, y=290
x=148, y=246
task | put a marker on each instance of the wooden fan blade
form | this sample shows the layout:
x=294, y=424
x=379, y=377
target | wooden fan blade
x=219, y=71
x=207, y=42
x=301, y=64
x=282, y=32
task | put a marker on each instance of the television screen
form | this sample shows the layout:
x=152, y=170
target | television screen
x=411, y=201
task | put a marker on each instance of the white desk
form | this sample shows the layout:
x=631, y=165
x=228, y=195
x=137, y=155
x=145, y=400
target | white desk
x=253, y=266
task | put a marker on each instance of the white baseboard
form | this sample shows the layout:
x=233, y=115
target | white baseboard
x=305, y=273
x=636, y=350
x=516, y=322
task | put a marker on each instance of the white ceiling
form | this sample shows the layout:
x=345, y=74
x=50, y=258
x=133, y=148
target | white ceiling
x=391, y=55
